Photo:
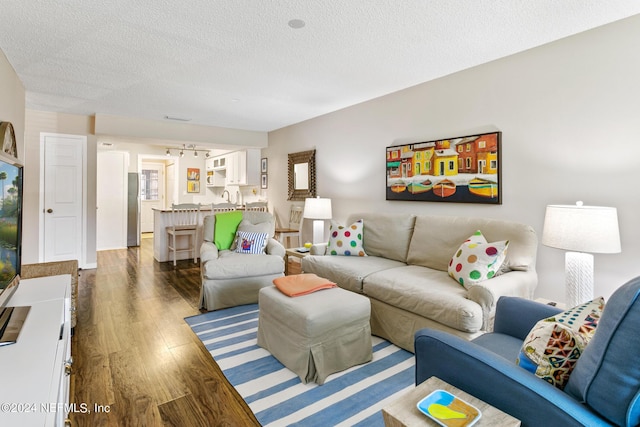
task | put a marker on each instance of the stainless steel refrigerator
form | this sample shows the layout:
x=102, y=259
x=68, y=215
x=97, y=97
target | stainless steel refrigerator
x=133, y=210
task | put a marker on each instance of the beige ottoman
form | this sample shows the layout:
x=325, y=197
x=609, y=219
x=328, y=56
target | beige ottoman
x=315, y=335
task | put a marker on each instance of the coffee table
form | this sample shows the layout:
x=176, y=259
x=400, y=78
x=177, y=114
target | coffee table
x=403, y=412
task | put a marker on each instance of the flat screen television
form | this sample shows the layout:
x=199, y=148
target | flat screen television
x=10, y=225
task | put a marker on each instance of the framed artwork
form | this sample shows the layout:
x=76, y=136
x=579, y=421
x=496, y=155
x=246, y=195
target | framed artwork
x=193, y=186
x=263, y=181
x=8, y=139
x=193, y=180
x=263, y=165
x=463, y=169
x=193, y=174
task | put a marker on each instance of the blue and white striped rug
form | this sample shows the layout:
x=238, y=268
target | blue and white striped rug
x=276, y=395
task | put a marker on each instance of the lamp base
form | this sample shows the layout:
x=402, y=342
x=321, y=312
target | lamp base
x=578, y=277
x=318, y=231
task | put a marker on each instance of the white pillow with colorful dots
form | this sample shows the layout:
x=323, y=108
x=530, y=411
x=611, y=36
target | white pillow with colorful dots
x=476, y=260
x=346, y=240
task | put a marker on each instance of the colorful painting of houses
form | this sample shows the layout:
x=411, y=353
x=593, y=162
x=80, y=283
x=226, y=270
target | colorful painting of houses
x=463, y=169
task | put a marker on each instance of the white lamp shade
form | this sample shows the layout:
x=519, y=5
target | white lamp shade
x=317, y=208
x=592, y=229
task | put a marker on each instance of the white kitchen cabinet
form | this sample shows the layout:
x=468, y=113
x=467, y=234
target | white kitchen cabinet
x=243, y=167
x=216, y=176
x=218, y=162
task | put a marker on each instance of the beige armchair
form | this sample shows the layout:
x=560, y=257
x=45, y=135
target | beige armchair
x=230, y=278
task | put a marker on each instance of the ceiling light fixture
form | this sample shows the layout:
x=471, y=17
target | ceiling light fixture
x=186, y=147
x=296, y=24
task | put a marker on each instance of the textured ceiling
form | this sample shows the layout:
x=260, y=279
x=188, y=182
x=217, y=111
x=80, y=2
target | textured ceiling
x=238, y=64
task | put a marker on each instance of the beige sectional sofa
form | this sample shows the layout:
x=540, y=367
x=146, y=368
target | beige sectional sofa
x=405, y=273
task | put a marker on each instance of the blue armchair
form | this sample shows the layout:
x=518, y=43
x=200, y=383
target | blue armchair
x=604, y=388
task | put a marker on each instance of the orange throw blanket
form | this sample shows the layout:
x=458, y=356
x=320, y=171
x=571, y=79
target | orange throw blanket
x=302, y=284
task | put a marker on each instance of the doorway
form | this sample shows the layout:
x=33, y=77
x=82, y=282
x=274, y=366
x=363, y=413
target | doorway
x=163, y=181
x=62, y=200
x=152, y=193
x=482, y=164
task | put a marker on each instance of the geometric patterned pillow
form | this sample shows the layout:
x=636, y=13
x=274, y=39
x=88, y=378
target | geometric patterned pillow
x=554, y=345
x=476, y=260
x=250, y=242
x=346, y=240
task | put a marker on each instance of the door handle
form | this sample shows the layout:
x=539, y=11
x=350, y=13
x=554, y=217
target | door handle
x=49, y=210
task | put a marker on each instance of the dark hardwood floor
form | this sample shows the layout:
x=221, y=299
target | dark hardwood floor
x=136, y=362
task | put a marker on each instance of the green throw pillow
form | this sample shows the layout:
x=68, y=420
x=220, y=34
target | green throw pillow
x=226, y=225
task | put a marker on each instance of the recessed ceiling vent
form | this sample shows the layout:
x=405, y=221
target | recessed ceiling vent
x=177, y=119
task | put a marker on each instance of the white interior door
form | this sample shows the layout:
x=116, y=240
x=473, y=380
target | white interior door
x=62, y=198
x=151, y=193
x=111, y=199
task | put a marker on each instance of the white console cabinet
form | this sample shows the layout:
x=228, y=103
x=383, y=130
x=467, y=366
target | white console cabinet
x=34, y=372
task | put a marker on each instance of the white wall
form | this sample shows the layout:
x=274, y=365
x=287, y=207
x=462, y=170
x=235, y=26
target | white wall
x=12, y=102
x=111, y=200
x=569, y=113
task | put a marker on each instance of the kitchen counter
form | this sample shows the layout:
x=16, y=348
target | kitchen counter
x=161, y=220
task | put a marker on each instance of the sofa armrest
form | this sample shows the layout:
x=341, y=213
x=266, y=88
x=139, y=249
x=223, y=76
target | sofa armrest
x=516, y=316
x=275, y=248
x=208, y=251
x=497, y=381
x=513, y=284
x=318, y=249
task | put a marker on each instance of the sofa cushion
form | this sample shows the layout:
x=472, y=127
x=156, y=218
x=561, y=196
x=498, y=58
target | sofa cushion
x=477, y=260
x=554, y=344
x=232, y=265
x=346, y=240
x=607, y=377
x=427, y=293
x=386, y=235
x=436, y=238
x=347, y=272
x=501, y=344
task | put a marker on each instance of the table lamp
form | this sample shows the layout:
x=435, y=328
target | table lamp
x=581, y=230
x=318, y=210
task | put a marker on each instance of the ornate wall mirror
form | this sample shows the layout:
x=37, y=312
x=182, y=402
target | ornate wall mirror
x=302, y=175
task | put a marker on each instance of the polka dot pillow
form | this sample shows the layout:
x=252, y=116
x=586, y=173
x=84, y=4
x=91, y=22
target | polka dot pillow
x=476, y=260
x=553, y=346
x=346, y=240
